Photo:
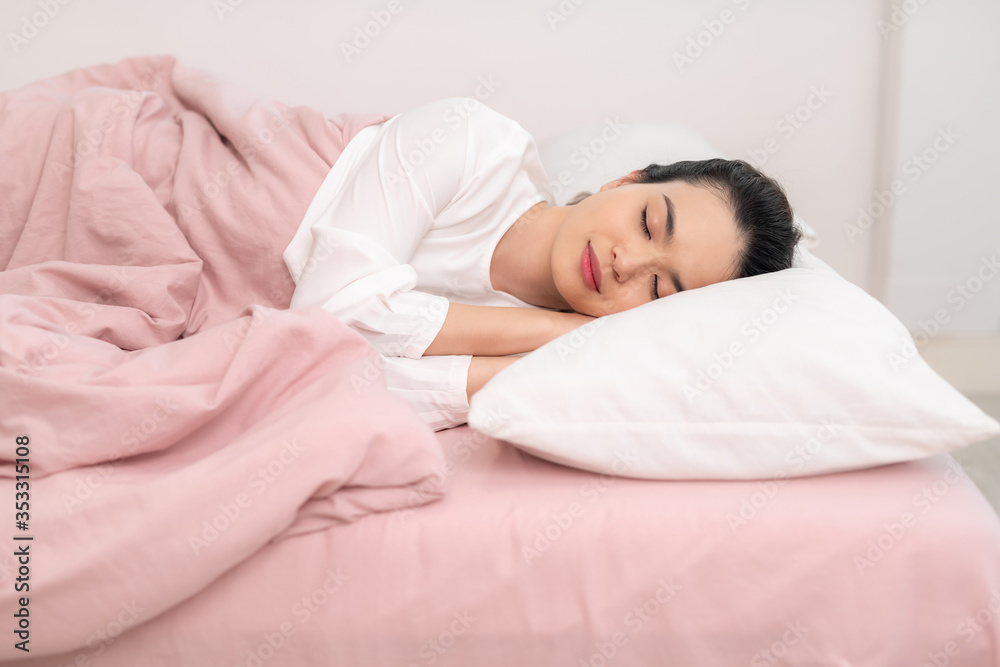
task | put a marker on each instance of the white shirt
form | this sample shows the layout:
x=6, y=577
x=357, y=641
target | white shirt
x=405, y=222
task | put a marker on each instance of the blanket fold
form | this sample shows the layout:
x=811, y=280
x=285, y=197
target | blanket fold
x=176, y=415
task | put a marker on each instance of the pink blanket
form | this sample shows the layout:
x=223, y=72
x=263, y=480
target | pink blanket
x=164, y=415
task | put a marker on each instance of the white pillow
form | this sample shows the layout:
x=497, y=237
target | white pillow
x=785, y=374
x=789, y=373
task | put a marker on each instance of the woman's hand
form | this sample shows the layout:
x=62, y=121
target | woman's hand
x=483, y=368
x=563, y=323
x=497, y=331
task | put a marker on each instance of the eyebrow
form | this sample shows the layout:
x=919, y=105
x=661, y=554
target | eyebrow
x=669, y=239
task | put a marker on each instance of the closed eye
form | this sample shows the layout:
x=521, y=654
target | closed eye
x=654, y=293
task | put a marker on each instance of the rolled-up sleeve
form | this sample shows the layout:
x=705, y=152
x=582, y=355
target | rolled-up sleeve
x=381, y=198
x=435, y=386
x=350, y=254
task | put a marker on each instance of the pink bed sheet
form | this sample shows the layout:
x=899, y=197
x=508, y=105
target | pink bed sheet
x=163, y=415
x=525, y=562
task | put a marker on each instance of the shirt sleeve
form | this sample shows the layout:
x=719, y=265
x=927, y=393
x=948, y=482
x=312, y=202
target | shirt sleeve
x=350, y=255
x=435, y=386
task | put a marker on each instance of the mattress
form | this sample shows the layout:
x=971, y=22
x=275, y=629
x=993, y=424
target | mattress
x=527, y=562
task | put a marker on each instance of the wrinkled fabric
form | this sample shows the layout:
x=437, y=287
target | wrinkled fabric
x=164, y=416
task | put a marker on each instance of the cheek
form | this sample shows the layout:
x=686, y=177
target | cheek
x=565, y=274
x=562, y=263
x=628, y=301
x=572, y=251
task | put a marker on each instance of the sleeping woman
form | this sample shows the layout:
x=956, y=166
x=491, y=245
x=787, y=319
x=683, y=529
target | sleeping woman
x=435, y=236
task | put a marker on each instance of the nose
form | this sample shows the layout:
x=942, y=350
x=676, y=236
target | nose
x=630, y=263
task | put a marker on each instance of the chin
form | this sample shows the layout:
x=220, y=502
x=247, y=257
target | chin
x=588, y=309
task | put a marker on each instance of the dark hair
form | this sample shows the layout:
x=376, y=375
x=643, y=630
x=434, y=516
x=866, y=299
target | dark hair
x=763, y=215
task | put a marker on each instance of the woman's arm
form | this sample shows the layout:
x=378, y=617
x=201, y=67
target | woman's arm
x=482, y=370
x=351, y=253
x=496, y=331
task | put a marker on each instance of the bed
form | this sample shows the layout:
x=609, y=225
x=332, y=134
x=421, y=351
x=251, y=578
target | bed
x=528, y=562
x=157, y=410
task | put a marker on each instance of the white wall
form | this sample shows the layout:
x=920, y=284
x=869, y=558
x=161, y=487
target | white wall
x=945, y=224
x=603, y=59
x=606, y=59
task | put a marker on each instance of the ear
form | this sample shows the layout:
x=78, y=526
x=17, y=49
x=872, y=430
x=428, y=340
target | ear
x=624, y=180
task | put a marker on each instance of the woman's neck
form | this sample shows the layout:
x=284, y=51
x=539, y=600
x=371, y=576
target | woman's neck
x=522, y=261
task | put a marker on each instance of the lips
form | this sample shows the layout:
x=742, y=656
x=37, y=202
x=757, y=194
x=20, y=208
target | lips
x=595, y=266
x=590, y=268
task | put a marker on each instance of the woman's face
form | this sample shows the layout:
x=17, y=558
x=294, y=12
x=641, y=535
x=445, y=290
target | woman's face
x=702, y=249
